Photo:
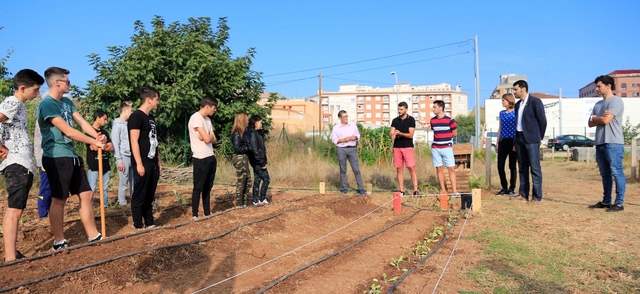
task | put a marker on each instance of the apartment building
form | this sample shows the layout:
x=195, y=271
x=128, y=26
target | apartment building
x=506, y=85
x=378, y=106
x=627, y=83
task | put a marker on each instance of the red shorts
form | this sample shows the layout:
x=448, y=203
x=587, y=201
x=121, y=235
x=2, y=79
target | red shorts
x=404, y=157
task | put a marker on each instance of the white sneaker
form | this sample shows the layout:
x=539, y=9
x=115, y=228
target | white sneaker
x=257, y=203
x=265, y=202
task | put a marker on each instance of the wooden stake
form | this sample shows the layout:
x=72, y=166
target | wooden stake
x=103, y=225
x=476, y=200
x=321, y=188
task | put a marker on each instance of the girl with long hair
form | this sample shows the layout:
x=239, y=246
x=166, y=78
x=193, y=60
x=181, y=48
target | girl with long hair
x=240, y=158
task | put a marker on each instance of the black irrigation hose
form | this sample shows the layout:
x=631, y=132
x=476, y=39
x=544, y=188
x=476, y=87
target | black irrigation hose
x=408, y=272
x=581, y=204
x=113, y=239
x=123, y=213
x=159, y=247
x=276, y=282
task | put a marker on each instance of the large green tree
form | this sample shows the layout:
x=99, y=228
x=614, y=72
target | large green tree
x=5, y=76
x=185, y=61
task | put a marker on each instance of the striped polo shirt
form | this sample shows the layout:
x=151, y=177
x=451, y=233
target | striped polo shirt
x=442, y=131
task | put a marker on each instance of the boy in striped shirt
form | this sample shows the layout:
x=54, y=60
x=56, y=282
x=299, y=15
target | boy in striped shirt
x=444, y=129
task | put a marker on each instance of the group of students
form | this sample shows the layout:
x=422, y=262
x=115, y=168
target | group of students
x=134, y=145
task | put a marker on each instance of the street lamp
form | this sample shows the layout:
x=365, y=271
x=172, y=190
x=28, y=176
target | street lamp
x=393, y=73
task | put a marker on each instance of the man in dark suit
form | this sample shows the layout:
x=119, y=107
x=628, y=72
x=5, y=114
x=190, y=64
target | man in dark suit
x=531, y=123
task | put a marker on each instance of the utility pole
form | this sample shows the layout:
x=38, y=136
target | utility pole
x=560, y=110
x=477, y=67
x=320, y=104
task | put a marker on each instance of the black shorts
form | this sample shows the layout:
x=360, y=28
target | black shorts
x=18, y=180
x=66, y=176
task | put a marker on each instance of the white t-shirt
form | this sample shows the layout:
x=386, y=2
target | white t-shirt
x=14, y=134
x=199, y=148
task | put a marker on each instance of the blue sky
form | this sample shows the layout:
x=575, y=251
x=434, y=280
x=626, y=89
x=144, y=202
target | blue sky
x=557, y=44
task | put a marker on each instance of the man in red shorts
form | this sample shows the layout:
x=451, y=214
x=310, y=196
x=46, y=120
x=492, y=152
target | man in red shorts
x=402, y=128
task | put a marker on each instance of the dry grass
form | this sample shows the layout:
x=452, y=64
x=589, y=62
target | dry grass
x=303, y=167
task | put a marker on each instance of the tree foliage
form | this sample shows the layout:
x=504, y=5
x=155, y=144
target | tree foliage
x=466, y=127
x=629, y=131
x=184, y=61
x=6, y=82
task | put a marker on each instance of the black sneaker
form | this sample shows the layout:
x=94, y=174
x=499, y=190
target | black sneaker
x=600, y=205
x=60, y=245
x=402, y=193
x=615, y=208
x=511, y=193
x=502, y=192
x=416, y=193
x=19, y=255
x=96, y=238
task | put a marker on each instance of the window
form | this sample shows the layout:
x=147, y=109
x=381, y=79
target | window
x=368, y=98
x=368, y=115
x=633, y=85
x=431, y=97
x=377, y=98
x=623, y=86
x=368, y=106
x=360, y=107
x=423, y=106
x=353, y=100
x=636, y=94
x=415, y=98
x=377, y=106
x=623, y=94
x=378, y=115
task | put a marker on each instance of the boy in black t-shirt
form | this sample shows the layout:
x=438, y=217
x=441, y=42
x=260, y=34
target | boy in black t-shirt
x=145, y=160
x=99, y=121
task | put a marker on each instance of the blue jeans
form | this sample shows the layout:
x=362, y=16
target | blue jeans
x=92, y=176
x=529, y=160
x=609, y=158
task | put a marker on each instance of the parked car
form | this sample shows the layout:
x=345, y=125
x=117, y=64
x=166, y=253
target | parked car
x=565, y=142
x=493, y=136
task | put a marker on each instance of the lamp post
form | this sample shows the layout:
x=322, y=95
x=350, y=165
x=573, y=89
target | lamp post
x=393, y=73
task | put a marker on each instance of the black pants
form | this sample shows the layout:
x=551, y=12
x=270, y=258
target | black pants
x=144, y=191
x=204, y=172
x=260, y=176
x=506, y=149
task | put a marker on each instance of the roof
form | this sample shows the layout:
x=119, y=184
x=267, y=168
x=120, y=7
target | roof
x=624, y=72
x=542, y=95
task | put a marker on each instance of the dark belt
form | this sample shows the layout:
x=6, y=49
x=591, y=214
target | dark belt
x=500, y=140
x=519, y=133
x=348, y=147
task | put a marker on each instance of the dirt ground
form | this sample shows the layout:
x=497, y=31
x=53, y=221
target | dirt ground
x=295, y=240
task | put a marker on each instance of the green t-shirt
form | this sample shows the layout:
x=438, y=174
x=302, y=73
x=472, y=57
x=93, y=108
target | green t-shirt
x=55, y=143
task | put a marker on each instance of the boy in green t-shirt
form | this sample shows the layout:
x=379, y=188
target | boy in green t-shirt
x=64, y=167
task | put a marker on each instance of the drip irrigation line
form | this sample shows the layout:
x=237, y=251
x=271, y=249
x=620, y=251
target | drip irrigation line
x=218, y=236
x=455, y=245
x=279, y=280
x=116, y=238
x=408, y=272
x=294, y=250
x=123, y=213
x=581, y=204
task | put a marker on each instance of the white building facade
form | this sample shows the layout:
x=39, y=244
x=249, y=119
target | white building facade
x=564, y=115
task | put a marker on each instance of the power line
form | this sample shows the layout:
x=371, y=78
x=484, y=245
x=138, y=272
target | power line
x=277, y=83
x=360, y=81
x=398, y=64
x=459, y=43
